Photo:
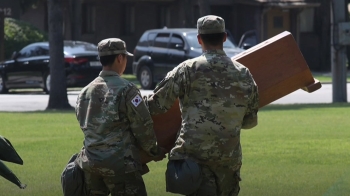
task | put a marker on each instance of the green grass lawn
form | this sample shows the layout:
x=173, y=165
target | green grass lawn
x=296, y=150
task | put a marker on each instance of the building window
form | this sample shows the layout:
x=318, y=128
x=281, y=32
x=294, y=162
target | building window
x=88, y=18
x=307, y=20
x=164, y=17
x=129, y=19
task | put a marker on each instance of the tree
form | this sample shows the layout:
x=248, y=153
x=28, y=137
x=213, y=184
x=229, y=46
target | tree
x=19, y=34
x=58, y=89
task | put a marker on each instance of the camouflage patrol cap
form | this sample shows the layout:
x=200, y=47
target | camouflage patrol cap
x=210, y=24
x=112, y=46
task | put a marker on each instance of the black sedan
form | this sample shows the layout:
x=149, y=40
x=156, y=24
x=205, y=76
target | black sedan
x=29, y=68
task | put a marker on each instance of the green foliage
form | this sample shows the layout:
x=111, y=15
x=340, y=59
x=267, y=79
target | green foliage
x=19, y=34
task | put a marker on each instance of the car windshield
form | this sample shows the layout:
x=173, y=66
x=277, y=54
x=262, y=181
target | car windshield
x=193, y=42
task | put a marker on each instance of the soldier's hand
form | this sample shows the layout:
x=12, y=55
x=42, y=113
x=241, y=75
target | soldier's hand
x=145, y=169
x=161, y=156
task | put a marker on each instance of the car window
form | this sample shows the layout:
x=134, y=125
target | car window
x=143, y=40
x=41, y=51
x=161, y=40
x=251, y=40
x=27, y=52
x=150, y=38
x=175, y=42
x=193, y=41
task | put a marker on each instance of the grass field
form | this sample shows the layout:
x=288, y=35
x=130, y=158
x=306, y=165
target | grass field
x=327, y=77
x=296, y=150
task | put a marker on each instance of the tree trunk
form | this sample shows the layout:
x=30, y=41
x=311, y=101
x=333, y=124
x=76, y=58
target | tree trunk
x=58, y=90
x=204, y=7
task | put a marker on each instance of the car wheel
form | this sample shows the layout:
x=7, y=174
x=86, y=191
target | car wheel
x=146, y=78
x=47, y=81
x=3, y=88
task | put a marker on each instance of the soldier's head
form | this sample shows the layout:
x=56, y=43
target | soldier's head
x=112, y=52
x=211, y=31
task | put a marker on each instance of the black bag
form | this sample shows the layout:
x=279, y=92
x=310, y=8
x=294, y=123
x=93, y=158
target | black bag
x=72, y=179
x=182, y=176
x=9, y=154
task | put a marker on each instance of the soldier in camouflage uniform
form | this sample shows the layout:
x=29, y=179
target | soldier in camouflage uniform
x=116, y=124
x=218, y=97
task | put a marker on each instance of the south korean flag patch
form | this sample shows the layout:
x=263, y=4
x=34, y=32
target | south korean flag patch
x=136, y=100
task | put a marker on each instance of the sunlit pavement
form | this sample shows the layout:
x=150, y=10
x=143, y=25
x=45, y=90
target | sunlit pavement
x=37, y=101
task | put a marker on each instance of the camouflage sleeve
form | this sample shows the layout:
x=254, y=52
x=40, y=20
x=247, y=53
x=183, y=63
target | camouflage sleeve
x=141, y=123
x=250, y=119
x=167, y=91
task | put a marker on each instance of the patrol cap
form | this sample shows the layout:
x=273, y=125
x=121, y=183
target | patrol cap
x=112, y=46
x=210, y=24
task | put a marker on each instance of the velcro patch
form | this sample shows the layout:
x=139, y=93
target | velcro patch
x=136, y=100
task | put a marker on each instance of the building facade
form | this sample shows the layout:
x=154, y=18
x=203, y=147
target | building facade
x=94, y=20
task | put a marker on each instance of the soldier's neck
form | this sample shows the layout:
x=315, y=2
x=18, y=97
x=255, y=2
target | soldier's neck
x=211, y=47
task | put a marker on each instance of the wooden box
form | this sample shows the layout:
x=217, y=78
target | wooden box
x=278, y=68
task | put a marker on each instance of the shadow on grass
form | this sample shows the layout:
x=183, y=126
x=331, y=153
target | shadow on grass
x=303, y=106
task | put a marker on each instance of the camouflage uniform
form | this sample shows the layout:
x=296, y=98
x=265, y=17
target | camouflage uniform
x=116, y=123
x=217, y=98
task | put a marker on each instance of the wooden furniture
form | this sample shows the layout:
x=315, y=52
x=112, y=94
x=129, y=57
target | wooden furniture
x=278, y=68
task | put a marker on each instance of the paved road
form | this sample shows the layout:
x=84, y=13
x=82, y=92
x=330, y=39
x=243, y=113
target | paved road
x=37, y=101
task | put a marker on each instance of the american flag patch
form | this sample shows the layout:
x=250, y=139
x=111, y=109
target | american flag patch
x=136, y=100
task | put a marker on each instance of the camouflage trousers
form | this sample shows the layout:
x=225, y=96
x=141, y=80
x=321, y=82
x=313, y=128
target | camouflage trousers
x=219, y=181
x=120, y=184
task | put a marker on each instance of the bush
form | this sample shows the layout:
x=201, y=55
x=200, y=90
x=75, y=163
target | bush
x=19, y=34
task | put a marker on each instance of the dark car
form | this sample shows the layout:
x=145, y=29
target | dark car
x=29, y=68
x=160, y=50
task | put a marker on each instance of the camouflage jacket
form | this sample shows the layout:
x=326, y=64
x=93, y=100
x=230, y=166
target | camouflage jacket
x=115, y=122
x=217, y=98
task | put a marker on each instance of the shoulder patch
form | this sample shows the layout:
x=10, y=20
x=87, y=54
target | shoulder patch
x=136, y=100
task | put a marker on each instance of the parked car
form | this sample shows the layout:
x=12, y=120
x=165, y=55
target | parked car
x=160, y=50
x=29, y=68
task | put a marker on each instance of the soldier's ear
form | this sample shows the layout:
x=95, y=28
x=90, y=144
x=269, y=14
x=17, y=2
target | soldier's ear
x=199, y=39
x=119, y=58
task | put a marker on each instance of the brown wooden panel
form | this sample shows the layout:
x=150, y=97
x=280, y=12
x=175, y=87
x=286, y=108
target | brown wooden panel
x=277, y=66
